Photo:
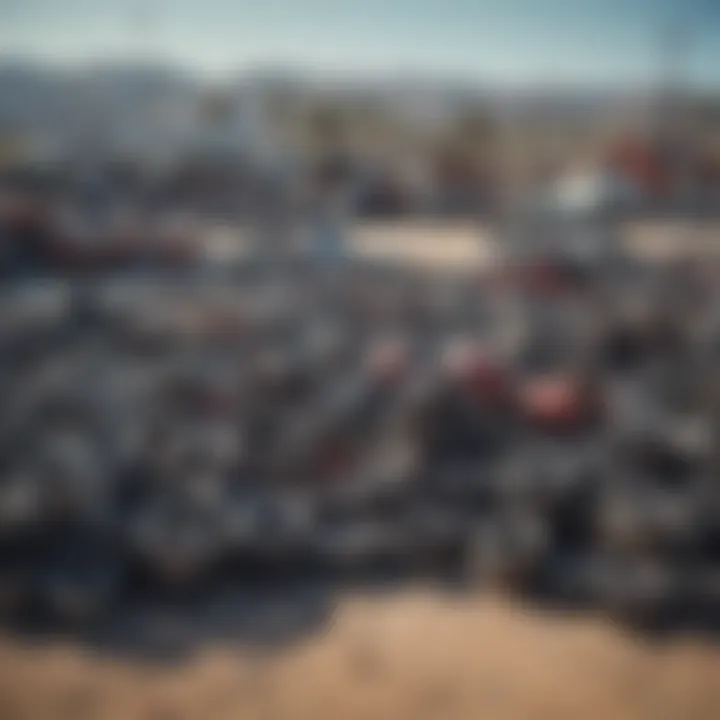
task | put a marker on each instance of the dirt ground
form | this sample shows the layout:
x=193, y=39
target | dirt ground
x=458, y=244
x=455, y=245
x=414, y=655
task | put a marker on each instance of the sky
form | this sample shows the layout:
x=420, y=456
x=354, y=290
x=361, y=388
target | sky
x=516, y=41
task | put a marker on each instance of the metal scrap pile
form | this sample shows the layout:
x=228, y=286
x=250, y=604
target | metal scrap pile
x=550, y=431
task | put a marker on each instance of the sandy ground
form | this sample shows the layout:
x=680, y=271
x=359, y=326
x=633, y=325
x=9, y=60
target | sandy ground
x=453, y=245
x=416, y=655
x=458, y=244
x=447, y=245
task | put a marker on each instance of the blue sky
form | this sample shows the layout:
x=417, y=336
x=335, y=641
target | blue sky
x=496, y=40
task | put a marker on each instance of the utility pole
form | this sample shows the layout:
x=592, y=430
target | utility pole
x=505, y=226
x=671, y=112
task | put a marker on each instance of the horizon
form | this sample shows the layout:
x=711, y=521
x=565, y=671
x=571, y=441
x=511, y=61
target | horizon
x=326, y=79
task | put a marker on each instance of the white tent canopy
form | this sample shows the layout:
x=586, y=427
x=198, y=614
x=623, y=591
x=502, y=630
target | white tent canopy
x=583, y=194
x=571, y=217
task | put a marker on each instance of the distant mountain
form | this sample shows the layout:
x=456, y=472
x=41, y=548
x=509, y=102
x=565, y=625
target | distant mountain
x=154, y=108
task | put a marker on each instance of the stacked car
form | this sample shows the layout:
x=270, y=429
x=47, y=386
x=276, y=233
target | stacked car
x=555, y=438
